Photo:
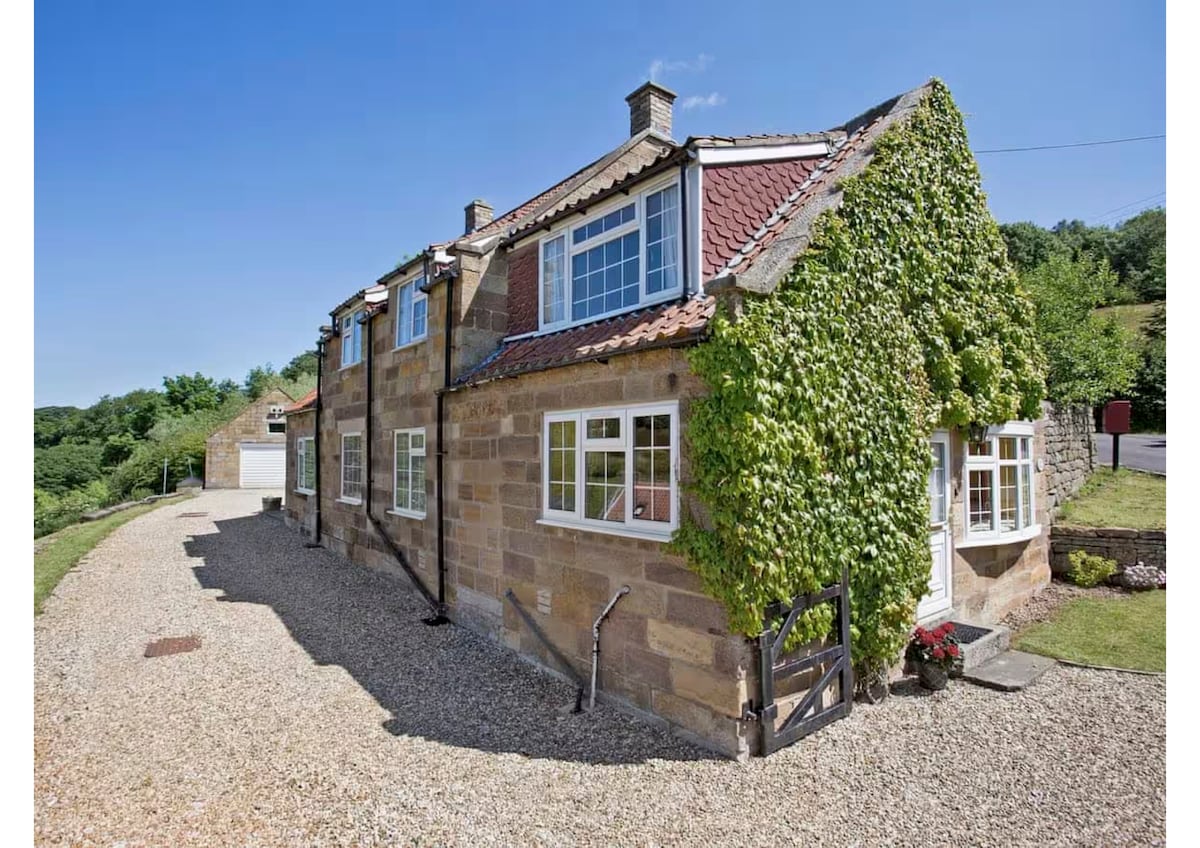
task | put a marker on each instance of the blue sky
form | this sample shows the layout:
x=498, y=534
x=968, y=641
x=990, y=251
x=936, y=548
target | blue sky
x=212, y=178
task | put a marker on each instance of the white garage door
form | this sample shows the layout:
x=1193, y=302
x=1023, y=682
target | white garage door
x=262, y=466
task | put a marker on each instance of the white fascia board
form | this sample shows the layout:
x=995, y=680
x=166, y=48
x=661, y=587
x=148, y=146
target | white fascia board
x=760, y=153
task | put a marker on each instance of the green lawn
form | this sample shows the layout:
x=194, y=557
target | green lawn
x=70, y=544
x=1124, y=499
x=1131, y=316
x=1116, y=632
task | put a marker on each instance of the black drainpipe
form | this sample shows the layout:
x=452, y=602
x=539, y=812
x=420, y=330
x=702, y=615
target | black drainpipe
x=315, y=542
x=441, y=448
x=370, y=366
x=683, y=229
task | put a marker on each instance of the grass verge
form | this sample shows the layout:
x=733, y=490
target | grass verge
x=1131, y=316
x=1128, y=632
x=1124, y=499
x=70, y=544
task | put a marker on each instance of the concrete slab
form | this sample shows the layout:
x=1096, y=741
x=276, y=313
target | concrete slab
x=1010, y=671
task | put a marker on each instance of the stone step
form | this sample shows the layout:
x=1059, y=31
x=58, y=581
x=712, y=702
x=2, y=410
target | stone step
x=1010, y=671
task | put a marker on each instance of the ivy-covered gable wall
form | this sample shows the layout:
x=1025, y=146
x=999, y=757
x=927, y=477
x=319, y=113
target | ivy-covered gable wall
x=811, y=449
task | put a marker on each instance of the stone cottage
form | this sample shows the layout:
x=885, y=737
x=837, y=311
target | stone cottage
x=503, y=414
x=249, y=452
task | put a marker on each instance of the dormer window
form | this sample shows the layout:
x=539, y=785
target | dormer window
x=624, y=256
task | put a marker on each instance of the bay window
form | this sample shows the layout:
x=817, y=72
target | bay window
x=408, y=481
x=351, y=339
x=412, y=308
x=998, y=478
x=618, y=260
x=613, y=469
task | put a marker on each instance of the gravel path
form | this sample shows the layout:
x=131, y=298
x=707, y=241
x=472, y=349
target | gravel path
x=319, y=711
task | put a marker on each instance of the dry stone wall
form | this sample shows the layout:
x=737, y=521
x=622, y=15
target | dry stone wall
x=1070, y=452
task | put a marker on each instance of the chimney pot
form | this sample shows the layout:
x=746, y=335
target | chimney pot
x=479, y=213
x=650, y=108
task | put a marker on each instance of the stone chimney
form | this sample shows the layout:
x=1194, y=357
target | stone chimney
x=650, y=108
x=479, y=214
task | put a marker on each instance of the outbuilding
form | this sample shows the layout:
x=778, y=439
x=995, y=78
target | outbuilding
x=250, y=451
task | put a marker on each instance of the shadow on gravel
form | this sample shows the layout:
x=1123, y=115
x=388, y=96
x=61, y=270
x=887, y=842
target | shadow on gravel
x=442, y=683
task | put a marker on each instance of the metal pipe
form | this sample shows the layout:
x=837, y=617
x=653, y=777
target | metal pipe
x=624, y=590
x=369, y=364
x=315, y=542
x=440, y=456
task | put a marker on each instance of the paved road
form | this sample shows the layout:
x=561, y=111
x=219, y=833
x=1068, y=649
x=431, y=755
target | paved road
x=1145, y=452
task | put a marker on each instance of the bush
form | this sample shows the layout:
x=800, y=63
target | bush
x=1088, y=570
x=53, y=512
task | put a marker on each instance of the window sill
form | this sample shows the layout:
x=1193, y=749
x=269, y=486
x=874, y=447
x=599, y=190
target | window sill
x=628, y=532
x=350, y=501
x=654, y=300
x=351, y=365
x=408, y=345
x=305, y=492
x=1031, y=532
x=407, y=513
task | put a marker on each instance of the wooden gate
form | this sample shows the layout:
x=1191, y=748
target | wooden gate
x=811, y=713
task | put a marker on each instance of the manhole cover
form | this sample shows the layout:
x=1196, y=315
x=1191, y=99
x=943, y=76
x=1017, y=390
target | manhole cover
x=192, y=515
x=172, y=645
x=968, y=633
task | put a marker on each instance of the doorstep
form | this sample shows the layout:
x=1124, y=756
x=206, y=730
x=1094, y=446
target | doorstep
x=1010, y=671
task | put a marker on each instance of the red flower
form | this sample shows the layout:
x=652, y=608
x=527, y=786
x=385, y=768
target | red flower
x=953, y=650
x=927, y=638
x=938, y=654
x=949, y=626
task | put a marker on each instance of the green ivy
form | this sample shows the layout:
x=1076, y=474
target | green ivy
x=811, y=448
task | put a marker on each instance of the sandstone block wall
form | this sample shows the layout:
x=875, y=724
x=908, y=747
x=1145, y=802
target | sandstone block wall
x=1125, y=545
x=222, y=454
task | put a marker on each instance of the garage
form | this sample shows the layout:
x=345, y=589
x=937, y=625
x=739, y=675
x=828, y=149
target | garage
x=262, y=466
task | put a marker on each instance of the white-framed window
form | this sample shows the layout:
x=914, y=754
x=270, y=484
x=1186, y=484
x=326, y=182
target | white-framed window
x=613, y=469
x=306, y=464
x=279, y=426
x=408, y=478
x=998, y=485
x=352, y=467
x=352, y=346
x=626, y=255
x=412, y=312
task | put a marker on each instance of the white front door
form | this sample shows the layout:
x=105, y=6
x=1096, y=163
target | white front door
x=939, y=598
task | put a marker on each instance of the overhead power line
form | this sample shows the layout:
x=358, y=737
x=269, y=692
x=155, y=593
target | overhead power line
x=1109, y=213
x=1077, y=144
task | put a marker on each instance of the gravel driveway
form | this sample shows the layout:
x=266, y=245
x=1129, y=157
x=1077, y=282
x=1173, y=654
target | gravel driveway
x=318, y=710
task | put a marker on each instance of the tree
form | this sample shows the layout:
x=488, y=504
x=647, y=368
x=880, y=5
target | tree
x=305, y=364
x=1090, y=358
x=260, y=380
x=192, y=394
x=1140, y=254
x=1030, y=245
x=1150, y=387
x=64, y=467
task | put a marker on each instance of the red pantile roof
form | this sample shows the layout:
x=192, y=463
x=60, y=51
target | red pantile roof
x=739, y=198
x=666, y=323
x=306, y=402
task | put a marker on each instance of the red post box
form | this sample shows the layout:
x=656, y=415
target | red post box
x=1115, y=420
x=1116, y=417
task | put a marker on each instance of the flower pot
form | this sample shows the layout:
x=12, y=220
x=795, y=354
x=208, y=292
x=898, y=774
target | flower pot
x=932, y=676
